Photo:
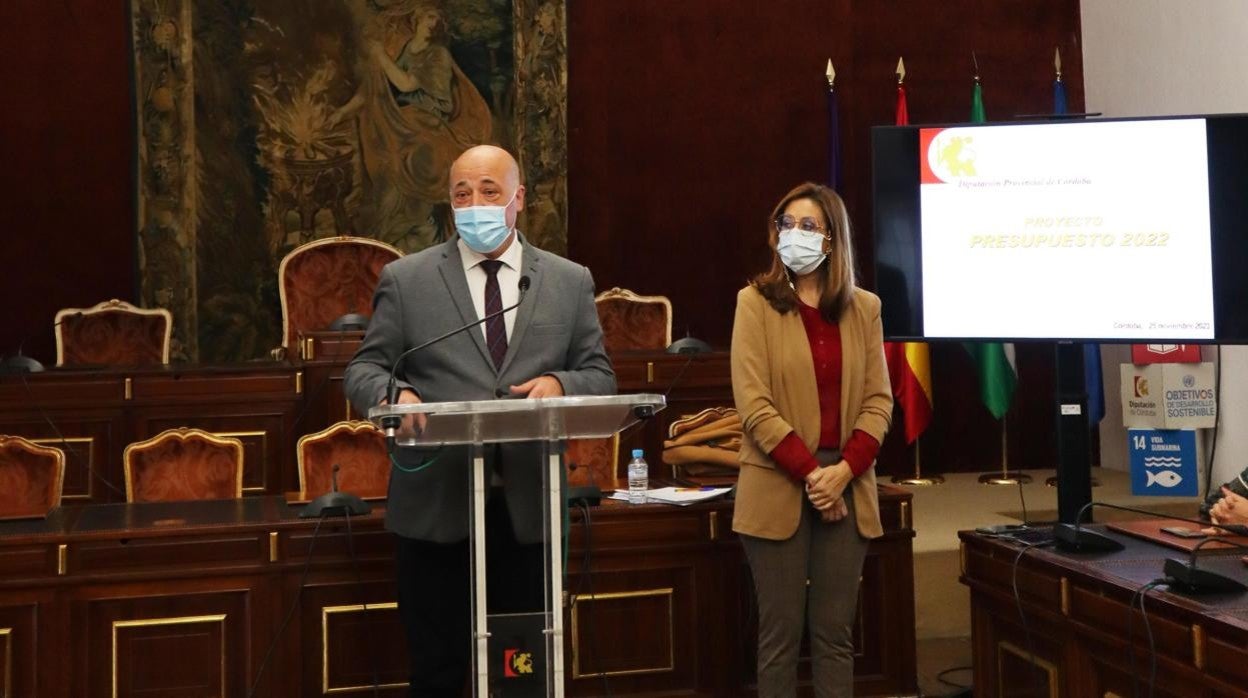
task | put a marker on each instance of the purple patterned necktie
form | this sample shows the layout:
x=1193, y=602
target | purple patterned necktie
x=495, y=327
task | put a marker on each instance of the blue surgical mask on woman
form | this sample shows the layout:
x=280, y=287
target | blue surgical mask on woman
x=800, y=250
x=483, y=228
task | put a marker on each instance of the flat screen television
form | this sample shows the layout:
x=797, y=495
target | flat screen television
x=1106, y=230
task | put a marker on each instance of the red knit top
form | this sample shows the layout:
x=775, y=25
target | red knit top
x=825, y=348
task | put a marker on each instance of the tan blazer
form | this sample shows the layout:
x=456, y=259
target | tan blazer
x=773, y=382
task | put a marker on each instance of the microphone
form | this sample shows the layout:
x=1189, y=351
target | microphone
x=19, y=363
x=1185, y=576
x=1075, y=538
x=390, y=423
x=688, y=345
x=335, y=503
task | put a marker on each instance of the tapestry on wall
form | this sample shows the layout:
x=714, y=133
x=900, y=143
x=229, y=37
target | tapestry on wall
x=266, y=124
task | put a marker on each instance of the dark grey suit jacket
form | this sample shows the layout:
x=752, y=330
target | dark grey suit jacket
x=556, y=333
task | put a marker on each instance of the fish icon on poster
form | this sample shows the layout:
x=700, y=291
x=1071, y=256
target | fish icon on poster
x=1163, y=462
x=1165, y=478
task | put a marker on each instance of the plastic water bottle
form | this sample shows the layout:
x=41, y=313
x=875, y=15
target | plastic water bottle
x=638, y=478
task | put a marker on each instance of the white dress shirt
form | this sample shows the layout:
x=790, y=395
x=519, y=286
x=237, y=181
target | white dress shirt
x=508, y=280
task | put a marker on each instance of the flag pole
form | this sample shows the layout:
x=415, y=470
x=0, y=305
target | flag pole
x=918, y=479
x=1006, y=476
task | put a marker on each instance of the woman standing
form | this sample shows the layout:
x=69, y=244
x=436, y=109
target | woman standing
x=811, y=387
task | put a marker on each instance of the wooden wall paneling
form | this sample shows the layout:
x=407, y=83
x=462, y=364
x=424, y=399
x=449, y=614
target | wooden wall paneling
x=183, y=637
x=637, y=624
x=20, y=644
x=348, y=629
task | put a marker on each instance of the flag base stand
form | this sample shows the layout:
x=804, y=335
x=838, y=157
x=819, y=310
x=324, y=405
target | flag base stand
x=1005, y=477
x=1052, y=482
x=918, y=479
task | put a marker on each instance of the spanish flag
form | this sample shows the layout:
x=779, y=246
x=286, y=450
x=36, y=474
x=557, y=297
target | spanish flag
x=910, y=370
x=909, y=363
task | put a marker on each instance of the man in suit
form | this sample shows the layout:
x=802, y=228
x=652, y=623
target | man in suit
x=549, y=347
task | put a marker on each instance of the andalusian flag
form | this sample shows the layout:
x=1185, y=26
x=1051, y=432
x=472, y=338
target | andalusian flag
x=994, y=361
x=909, y=363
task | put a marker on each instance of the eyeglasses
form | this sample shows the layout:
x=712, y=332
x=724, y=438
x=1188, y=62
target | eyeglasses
x=807, y=224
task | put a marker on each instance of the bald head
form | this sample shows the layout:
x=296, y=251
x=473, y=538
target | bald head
x=490, y=160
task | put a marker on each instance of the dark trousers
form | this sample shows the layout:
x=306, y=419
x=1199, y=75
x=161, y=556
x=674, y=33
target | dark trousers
x=435, y=599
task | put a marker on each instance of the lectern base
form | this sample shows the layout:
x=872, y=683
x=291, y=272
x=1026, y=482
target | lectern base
x=518, y=655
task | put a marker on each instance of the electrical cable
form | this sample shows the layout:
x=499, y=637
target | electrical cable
x=1018, y=599
x=588, y=578
x=1217, y=420
x=294, y=605
x=65, y=442
x=1152, y=648
x=359, y=587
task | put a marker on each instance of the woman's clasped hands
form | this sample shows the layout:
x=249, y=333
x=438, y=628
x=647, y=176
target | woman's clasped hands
x=825, y=488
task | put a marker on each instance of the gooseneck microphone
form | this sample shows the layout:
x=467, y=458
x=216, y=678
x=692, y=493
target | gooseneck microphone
x=1075, y=538
x=390, y=423
x=19, y=362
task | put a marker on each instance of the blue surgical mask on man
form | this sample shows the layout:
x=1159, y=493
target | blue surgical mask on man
x=483, y=228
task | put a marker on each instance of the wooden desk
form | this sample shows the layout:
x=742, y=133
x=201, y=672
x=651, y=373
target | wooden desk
x=1076, y=608
x=185, y=598
x=268, y=406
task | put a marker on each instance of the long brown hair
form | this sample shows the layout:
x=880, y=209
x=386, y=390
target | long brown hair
x=836, y=280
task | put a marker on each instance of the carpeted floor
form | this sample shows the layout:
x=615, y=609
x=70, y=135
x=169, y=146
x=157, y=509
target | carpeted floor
x=942, y=603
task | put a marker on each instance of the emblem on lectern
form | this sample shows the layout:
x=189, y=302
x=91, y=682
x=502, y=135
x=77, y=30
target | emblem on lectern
x=517, y=663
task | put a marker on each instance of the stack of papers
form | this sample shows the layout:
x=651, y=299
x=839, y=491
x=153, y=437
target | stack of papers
x=680, y=496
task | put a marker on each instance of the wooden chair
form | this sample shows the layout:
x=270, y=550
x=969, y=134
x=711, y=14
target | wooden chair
x=31, y=477
x=631, y=322
x=181, y=464
x=358, y=448
x=593, y=462
x=113, y=333
x=325, y=279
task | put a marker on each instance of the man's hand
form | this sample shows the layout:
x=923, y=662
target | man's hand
x=542, y=386
x=413, y=424
x=826, y=485
x=836, y=512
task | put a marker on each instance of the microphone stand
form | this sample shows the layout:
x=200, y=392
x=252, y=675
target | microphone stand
x=1184, y=576
x=335, y=503
x=390, y=423
x=1075, y=538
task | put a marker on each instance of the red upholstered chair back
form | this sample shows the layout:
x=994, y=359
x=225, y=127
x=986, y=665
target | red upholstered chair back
x=359, y=449
x=325, y=279
x=593, y=461
x=182, y=464
x=113, y=333
x=30, y=478
x=633, y=322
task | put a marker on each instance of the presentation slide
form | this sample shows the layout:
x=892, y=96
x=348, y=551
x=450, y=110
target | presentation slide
x=1078, y=230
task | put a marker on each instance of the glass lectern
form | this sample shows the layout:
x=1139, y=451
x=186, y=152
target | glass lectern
x=549, y=421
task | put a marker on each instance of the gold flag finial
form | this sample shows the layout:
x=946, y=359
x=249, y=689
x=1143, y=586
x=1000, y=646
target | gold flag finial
x=831, y=74
x=1057, y=62
x=975, y=63
x=901, y=70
